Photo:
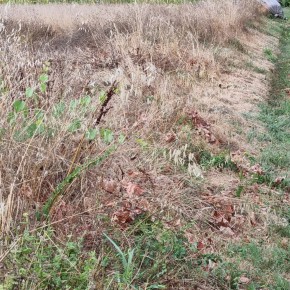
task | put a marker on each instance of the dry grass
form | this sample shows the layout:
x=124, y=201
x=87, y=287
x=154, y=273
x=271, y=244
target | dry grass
x=167, y=61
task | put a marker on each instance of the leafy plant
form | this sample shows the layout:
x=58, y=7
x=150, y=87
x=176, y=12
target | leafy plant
x=40, y=260
x=127, y=275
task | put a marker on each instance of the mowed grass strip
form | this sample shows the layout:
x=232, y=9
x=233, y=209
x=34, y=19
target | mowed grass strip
x=275, y=114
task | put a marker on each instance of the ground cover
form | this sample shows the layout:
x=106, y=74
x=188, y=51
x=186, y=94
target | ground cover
x=144, y=147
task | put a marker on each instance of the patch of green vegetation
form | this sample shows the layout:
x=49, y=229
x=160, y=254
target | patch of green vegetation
x=266, y=266
x=142, y=257
x=155, y=253
x=38, y=260
x=285, y=3
x=270, y=55
x=223, y=161
x=275, y=114
x=282, y=230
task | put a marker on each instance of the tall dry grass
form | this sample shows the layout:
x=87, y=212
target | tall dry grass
x=156, y=54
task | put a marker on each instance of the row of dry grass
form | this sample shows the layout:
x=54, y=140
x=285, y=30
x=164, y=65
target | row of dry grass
x=144, y=48
x=60, y=62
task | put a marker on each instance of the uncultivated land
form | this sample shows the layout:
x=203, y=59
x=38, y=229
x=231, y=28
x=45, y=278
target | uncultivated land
x=135, y=153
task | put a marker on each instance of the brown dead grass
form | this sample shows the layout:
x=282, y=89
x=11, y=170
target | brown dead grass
x=167, y=61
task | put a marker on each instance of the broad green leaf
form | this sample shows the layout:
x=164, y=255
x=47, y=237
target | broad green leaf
x=107, y=135
x=91, y=134
x=85, y=101
x=43, y=78
x=73, y=104
x=31, y=130
x=74, y=126
x=19, y=106
x=43, y=87
x=121, y=138
x=58, y=109
x=29, y=92
x=102, y=97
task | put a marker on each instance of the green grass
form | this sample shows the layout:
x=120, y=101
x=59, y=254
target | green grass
x=270, y=55
x=264, y=265
x=275, y=113
x=38, y=260
x=155, y=253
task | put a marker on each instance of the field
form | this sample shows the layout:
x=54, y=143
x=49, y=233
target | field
x=144, y=146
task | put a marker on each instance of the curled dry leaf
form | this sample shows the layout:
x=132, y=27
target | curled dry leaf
x=257, y=169
x=200, y=245
x=203, y=127
x=110, y=185
x=126, y=214
x=244, y=280
x=170, y=137
x=227, y=231
x=279, y=180
x=122, y=217
x=221, y=219
x=228, y=209
x=133, y=189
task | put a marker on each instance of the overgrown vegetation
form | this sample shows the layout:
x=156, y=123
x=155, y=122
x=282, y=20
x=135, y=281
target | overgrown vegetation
x=120, y=168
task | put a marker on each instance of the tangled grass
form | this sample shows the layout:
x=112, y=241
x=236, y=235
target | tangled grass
x=97, y=127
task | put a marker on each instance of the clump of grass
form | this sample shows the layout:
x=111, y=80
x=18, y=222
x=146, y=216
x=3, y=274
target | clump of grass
x=270, y=55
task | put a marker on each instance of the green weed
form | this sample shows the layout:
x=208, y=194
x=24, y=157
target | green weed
x=125, y=277
x=270, y=55
x=40, y=261
x=223, y=161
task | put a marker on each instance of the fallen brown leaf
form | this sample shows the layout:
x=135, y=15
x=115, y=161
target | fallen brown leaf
x=110, y=186
x=227, y=231
x=200, y=245
x=170, y=137
x=244, y=280
x=133, y=189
